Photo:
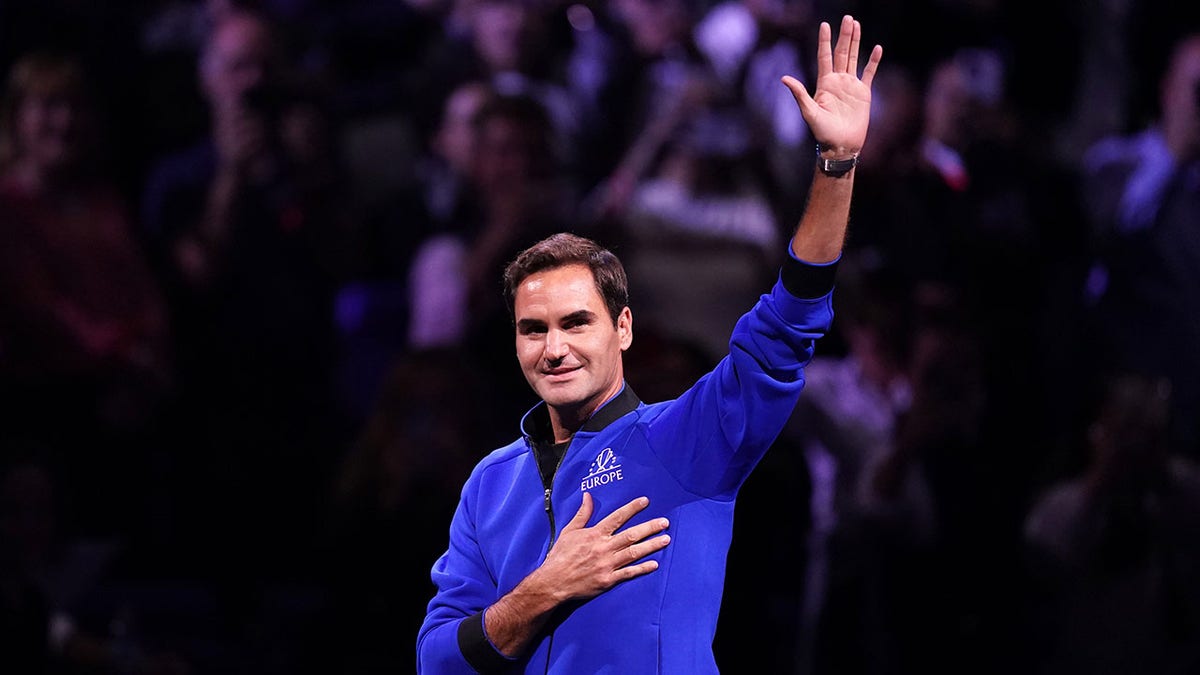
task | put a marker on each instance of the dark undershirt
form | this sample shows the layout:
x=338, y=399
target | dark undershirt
x=548, y=457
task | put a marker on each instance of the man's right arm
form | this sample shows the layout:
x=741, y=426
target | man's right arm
x=583, y=563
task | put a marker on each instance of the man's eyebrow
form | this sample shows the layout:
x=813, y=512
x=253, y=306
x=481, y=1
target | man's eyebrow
x=525, y=325
x=579, y=315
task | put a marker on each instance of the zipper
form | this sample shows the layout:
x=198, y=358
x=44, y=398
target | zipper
x=549, y=507
x=549, y=490
x=550, y=515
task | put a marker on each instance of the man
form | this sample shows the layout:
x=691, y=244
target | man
x=526, y=587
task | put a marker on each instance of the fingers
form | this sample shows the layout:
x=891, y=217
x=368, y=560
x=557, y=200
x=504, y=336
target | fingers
x=872, y=65
x=824, y=51
x=581, y=516
x=639, y=532
x=634, y=571
x=855, y=37
x=841, y=50
x=803, y=99
x=638, y=551
x=613, y=521
x=842, y=57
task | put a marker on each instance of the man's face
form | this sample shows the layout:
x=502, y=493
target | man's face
x=567, y=344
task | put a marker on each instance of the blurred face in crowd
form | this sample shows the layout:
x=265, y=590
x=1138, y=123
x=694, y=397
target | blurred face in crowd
x=238, y=57
x=49, y=129
x=455, y=141
x=504, y=157
x=567, y=343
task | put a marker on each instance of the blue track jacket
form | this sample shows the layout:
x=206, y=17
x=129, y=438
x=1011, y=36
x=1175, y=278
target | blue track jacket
x=689, y=456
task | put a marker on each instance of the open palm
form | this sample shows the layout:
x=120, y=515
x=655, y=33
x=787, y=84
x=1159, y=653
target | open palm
x=839, y=111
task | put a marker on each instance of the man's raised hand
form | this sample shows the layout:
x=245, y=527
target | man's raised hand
x=840, y=109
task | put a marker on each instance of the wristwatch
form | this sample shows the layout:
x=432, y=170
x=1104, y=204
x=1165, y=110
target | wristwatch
x=836, y=168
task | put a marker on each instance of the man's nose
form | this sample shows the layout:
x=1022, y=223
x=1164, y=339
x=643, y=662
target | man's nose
x=556, y=345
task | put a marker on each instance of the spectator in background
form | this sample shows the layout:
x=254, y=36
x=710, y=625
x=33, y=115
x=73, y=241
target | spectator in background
x=83, y=327
x=922, y=526
x=424, y=220
x=440, y=196
x=247, y=225
x=1143, y=204
x=79, y=301
x=662, y=83
x=969, y=216
x=506, y=45
x=845, y=421
x=705, y=191
x=1117, y=549
x=747, y=42
x=517, y=197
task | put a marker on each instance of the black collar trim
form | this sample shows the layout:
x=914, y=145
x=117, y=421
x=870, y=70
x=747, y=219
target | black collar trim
x=622, y=404
x=536, y=424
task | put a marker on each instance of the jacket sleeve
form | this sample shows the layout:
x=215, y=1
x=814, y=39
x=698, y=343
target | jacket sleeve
x=452, y=639
x=717, y=431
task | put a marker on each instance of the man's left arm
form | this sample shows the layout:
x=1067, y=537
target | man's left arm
x=837, y=114
x=751, y=393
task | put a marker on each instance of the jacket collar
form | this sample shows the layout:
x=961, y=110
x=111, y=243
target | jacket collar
x=535, y=425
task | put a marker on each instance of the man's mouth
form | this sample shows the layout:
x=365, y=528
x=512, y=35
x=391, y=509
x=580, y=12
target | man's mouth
x=555, y=374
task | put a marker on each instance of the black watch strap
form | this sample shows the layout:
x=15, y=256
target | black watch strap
x=835, y=168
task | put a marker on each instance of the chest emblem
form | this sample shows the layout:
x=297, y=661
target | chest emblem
x=604, y=470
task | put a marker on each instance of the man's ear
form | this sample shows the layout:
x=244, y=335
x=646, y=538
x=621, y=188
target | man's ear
x=625, y=328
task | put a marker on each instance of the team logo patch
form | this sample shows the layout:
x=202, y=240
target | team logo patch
x=604, y=470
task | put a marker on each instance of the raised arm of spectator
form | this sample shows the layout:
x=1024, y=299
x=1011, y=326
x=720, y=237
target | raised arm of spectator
x=837, y=114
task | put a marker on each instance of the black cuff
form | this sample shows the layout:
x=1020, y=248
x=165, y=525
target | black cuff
x=477, y=649
x=808, y=281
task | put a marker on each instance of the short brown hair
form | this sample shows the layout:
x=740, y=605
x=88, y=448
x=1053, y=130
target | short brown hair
x=562, y=249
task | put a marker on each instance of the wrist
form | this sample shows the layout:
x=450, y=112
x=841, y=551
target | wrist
x=836, y=152
x=535, y=597
x=835, y=162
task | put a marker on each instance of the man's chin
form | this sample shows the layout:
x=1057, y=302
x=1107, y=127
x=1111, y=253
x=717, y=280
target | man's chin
x=564, y=400
x=562, y=395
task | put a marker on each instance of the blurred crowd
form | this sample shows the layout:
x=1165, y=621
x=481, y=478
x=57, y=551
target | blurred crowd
x=252, y=337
